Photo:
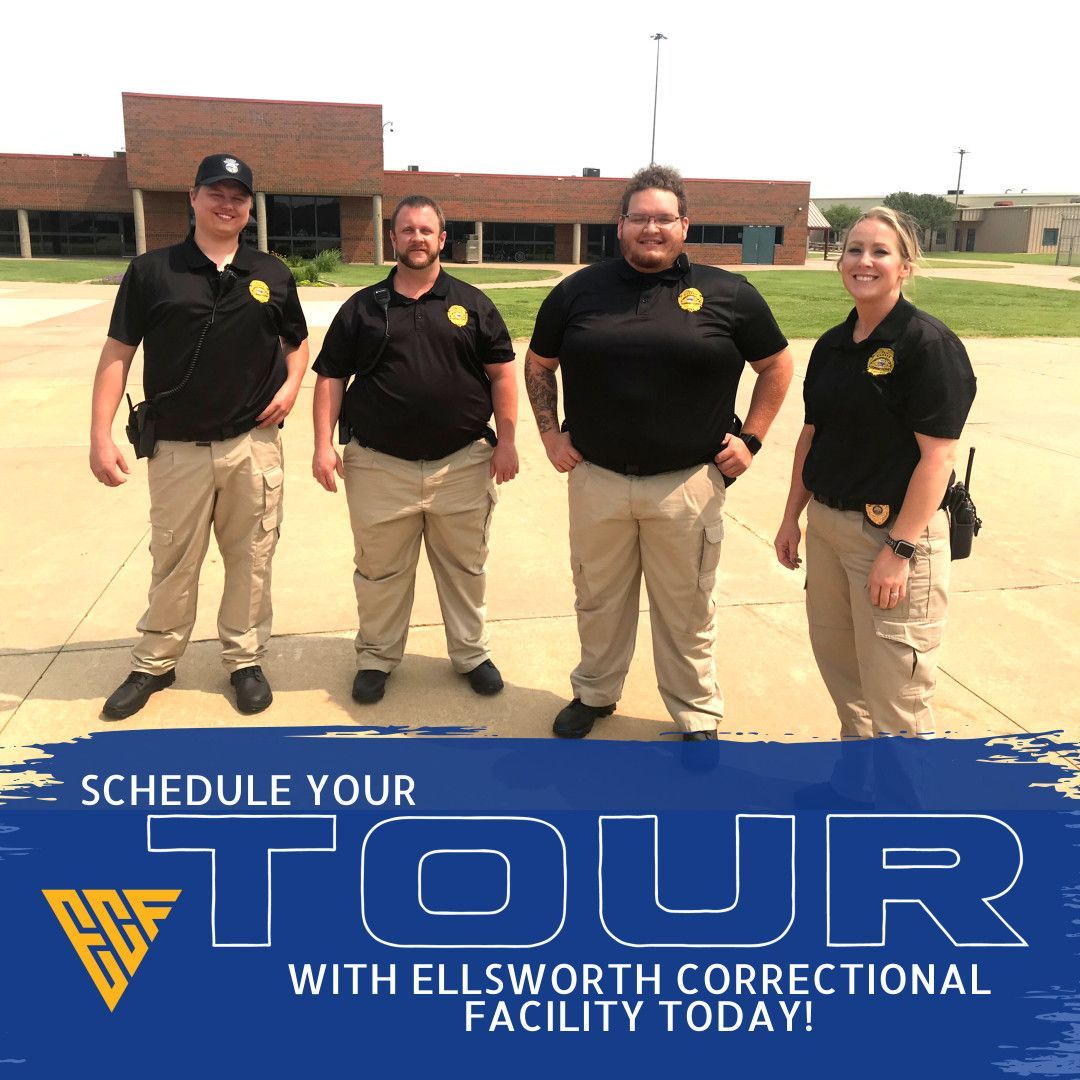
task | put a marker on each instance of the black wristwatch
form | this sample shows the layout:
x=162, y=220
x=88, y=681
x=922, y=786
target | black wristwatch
x=901, y=548
x=753, y=443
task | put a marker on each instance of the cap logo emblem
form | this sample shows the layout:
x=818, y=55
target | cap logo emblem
x=691, y=300
x=231, y=165
x=881, y=363
x=260, y=291
x=457, y=315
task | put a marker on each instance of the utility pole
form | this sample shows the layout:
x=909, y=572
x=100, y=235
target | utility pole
x=656, y=93
x=956, y=198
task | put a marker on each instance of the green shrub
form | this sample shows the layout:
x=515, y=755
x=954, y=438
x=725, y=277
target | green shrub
x=327, y=261
x=304, y=272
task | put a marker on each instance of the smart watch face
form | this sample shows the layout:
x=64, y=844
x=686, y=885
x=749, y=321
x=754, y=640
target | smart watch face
x=901, y=548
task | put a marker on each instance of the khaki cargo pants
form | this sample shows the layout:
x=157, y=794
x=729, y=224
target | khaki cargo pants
x=392, y=504
x=235, y=487
x=880, y=666
x=669, y=526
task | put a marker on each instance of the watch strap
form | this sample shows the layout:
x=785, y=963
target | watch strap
x=903, y=549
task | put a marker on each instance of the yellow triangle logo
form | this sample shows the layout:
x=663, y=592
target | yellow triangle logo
x=111, y=931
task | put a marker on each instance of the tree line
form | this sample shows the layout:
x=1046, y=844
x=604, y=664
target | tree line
x=929, y=212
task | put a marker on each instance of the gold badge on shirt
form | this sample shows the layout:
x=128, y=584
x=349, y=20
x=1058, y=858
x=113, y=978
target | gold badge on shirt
x=260, y=291
x=882, y=362
x=877, y=513
x=457, y=315
x=691, y=299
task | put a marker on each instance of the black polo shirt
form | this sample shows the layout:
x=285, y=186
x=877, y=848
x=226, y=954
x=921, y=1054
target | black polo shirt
x=867, y=401
x=165, y=301
x=429, y=395
x=651, y=362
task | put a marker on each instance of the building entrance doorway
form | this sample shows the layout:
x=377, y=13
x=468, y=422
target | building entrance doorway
x=758, y=244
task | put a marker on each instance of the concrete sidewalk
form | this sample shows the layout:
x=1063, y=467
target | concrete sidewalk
x=74, y=569
x=1042, y=277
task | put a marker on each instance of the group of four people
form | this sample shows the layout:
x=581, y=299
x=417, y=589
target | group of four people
x=651, y=349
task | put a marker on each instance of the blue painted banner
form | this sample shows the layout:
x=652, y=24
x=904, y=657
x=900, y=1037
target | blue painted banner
x=278, y=902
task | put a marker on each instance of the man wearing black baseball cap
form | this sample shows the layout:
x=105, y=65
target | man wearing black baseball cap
x=224, y=343
x=218, y=167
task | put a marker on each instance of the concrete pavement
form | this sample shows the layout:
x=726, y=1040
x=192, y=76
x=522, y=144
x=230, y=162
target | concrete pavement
x=1043, y=277
x=74, y=569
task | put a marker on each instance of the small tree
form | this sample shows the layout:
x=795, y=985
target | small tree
x=905, y=202
x=841, y=217
x=929, y=212
x=934, y=213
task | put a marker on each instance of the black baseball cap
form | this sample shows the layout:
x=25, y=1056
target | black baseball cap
x=224, y=167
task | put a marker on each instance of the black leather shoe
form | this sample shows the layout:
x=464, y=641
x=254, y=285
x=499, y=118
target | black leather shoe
x=252, y=690
x=485, y=679
x=577, y=719
x=699, y=736
x=369, y=686
x=134, y=692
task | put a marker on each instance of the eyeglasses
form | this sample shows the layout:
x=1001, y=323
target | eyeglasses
x=665, y=221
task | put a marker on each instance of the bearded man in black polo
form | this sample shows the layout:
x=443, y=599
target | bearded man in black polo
x=432, y=360
x=651, y=348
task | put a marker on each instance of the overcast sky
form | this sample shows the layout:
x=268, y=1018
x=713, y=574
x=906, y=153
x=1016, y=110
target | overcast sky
x=858, y=98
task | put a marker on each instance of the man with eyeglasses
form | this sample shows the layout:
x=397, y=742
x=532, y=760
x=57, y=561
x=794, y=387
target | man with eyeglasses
x=652, y=348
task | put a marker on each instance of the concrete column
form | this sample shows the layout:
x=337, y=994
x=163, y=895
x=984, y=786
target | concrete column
x=24, y=234
x=575, y=245
x=140, y=222
x=260, y=221
x=377, y=227
x=478, y=228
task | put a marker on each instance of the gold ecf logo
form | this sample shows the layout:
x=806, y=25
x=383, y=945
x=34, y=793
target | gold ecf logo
x=260, y=291
x=111, y=931
x=457, y=315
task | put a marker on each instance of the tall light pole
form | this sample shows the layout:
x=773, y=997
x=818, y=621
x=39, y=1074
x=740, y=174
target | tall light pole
x=960, y=172
x=656, y=93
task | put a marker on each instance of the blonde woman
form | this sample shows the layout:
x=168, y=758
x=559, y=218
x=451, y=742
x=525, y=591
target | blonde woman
x=886, y=396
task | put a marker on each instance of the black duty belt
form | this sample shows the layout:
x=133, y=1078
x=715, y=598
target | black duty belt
x=487, y=435
x=631, y=469
x=854, y=504
x=226, y=431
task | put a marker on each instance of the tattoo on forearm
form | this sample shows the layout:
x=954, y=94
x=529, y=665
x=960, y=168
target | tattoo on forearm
x=543, y=394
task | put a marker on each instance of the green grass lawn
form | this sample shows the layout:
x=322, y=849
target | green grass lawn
x=807, y=304
x=996, y=256
x=361, y=274
x=952, y=264
x=60, y=271
x=71, y=271
x=519, y=308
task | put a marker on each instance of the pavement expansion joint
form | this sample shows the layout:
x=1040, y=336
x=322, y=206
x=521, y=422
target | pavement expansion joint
x=1039, y=445
x=989, y=704
x=64, y=645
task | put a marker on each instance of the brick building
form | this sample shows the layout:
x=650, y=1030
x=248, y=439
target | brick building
x=319, y=168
